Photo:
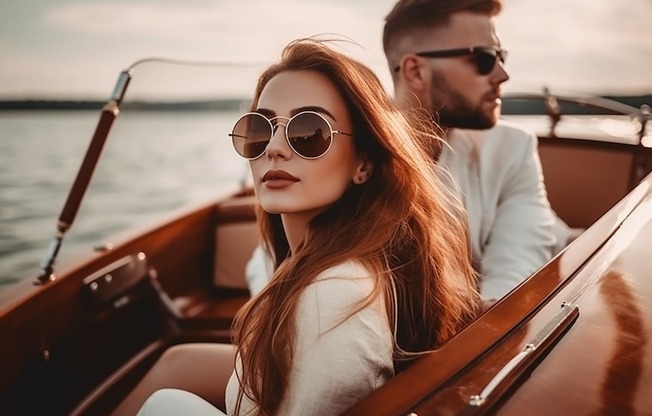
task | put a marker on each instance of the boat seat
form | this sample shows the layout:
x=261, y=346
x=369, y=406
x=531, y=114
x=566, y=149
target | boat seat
x=236, y=237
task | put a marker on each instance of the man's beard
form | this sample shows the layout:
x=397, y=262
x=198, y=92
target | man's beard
x=455, y=111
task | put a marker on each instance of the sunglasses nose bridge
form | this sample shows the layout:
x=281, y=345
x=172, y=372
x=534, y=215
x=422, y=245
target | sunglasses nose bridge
x=500, y=58
x=278, y=145
x=275, y=124
x=502, y=55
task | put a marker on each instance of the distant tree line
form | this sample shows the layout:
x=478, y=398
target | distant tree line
x=54, y=105
x=510, y=105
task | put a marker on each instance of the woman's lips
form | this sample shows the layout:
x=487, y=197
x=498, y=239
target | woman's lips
x=278, y=179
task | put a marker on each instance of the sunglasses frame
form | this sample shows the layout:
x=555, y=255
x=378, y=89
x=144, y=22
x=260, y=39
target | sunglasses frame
x=287, y=139
x=498, y=54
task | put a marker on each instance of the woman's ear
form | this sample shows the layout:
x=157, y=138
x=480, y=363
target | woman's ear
x=363, y=172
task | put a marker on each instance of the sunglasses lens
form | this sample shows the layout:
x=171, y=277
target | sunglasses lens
x=309, y=135
x=251, y=135
x=485, y=62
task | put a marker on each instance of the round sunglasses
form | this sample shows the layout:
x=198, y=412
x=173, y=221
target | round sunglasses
x=308, y=133
x=484, y=57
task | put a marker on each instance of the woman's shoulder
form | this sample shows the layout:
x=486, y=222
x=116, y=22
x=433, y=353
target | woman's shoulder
x=350, y=268
x=340, y=287
x=342, y=294
x=347, y=276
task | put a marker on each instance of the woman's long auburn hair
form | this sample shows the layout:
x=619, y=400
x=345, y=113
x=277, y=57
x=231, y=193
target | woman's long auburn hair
x=402, y=224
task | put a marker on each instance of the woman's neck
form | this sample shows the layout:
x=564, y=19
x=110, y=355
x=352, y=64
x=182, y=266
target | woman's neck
x=295, y=226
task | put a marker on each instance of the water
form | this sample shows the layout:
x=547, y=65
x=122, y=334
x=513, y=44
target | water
x=152, y=163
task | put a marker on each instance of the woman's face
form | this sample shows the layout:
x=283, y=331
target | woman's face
x=286, y=183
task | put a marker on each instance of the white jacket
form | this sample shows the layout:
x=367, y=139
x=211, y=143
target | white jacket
x=512, y=227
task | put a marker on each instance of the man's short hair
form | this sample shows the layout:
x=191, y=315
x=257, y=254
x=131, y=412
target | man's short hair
x=410, y=14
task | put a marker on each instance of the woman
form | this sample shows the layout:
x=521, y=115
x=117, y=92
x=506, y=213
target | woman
x=371, y=257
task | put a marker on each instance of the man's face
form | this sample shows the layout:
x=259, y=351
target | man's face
x=460, y=95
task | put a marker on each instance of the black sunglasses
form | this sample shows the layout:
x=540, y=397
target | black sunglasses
x=308, y=133
x=484, y=57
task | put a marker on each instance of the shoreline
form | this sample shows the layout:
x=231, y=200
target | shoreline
x=236, y=104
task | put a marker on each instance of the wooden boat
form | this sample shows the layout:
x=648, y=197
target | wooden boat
x=574, y=338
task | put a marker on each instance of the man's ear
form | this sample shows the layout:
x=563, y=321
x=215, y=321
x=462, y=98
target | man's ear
x=363, y=172
x=414, y=74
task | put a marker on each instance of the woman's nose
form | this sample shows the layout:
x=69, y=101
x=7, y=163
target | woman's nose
x=278, y=146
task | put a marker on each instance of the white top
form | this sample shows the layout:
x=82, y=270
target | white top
x=339, y=358
x=512, y=226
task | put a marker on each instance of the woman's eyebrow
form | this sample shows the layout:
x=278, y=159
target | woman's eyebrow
x=266, y=112
x=316, y=109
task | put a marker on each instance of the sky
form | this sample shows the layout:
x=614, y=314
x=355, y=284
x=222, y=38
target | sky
x=74, y=49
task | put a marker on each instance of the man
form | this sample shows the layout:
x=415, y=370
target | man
x=445, y=56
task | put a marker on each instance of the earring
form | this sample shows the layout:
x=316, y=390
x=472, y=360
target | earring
x=359, y=179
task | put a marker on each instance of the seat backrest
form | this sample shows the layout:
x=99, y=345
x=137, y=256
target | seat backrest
x=236, y=237
x=584, y=180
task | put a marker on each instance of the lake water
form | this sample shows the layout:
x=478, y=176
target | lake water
x=153, y=162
